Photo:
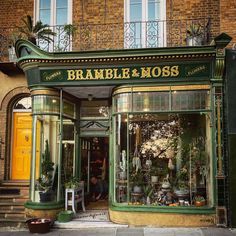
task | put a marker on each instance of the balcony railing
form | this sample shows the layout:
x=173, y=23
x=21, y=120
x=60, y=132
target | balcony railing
x=148, y=34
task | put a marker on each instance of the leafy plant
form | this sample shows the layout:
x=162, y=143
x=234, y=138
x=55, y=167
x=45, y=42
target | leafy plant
x=72, y=183
x=195, y=30
x=199, y=198
x=47, y=167
x=33, y=32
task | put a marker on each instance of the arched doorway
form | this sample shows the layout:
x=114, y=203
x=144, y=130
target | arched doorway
x=21, y=139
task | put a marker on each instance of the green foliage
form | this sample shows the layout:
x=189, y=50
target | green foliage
x=33, y=32
x=195, y=30
x=47, y=167
x=73, y=182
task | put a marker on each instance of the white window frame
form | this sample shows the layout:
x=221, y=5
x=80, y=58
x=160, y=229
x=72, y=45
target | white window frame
x=53, y=19
x=162, y=28
x=53, y=12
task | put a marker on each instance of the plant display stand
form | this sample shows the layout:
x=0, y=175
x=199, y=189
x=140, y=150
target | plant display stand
x=73, y=196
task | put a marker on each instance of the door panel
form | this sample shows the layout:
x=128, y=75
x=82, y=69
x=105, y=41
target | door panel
x=21, y=149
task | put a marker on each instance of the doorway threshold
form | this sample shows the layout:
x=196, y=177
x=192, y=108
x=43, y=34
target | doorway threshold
x=89, y=219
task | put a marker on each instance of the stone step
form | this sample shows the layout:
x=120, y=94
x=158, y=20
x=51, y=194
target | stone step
x=15, y=183
x=13, y=198
x=12, y=215
x=13, y=208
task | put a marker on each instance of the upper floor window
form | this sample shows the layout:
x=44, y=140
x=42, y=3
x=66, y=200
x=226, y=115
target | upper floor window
x=144, y=23
x=57, y=14
x=54, y=12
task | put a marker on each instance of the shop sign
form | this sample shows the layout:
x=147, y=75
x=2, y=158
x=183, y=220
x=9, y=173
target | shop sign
x=123, y=73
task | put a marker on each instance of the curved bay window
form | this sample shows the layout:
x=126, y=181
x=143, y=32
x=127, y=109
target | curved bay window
x=163, y=147
x=53, y=158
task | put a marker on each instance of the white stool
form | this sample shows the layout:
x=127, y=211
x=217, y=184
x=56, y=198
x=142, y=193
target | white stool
x=77, y=195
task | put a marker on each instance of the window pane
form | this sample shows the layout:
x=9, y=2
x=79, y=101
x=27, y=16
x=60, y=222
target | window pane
x=153, y=10
x=45, y=11
x=169, y=157
x=62, y=3
x=135, y=10
x=151, y=101
x=45, y=4
x=190, y=100
x=61, y=16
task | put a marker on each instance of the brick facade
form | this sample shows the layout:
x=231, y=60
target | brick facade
x=228, y=18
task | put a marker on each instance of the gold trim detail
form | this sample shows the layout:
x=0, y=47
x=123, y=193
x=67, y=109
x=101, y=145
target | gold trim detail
x=220, y=164
x=50, y=92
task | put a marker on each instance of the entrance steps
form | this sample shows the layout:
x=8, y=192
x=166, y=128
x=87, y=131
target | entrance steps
x=13, y=195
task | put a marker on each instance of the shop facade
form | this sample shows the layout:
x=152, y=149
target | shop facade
x=158, y=116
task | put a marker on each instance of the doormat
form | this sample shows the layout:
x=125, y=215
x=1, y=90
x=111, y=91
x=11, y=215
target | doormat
x=98, y=205
x=92, y=216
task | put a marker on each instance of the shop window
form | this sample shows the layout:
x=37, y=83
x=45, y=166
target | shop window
x=144, y=23
x=46, y=104
x=163, y=160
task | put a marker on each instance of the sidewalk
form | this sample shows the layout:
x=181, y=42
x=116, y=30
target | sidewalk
x=127, y=232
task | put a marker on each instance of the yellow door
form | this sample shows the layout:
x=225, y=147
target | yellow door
x=21, y=152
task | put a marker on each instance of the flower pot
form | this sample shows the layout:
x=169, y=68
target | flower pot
x=137, y=189
x=194, y=41
x=38, y=225
x=45, y=196
x=123, y=175
x=200, y=203
x=154, y=179
x=65, y=216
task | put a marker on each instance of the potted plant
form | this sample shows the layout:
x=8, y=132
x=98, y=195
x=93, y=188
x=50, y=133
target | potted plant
x=45, y=181
x=137, y=180
x=72, y=183
x=65, y=216
x=195, y=34
x=199, y=201
x=35, y=32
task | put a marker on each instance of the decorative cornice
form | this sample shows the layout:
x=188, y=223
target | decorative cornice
x=31, y=56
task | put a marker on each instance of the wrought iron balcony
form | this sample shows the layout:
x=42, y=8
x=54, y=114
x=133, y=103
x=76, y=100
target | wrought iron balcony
x=148, y=34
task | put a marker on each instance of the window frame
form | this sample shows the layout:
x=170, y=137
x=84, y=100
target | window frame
x=162, y=33
x=53, y=12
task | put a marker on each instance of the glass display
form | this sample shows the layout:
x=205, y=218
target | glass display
x=163, y=160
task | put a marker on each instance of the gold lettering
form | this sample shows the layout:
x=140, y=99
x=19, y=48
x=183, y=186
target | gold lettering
x=174, y=71
x=109, y=73
x=156, y=71
x=145, y=72
x=116, y=75
x=125, y=73
x=89, y=74
x=70, y=75
x=166, y=71
x=79, y=74
x=98, y=74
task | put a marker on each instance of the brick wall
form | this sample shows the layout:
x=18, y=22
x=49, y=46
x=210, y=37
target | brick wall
x=228, y=18
x=11, y=11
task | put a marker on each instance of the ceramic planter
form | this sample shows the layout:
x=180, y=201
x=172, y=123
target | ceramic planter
x=39, y=225
x=65, y=216
x=200, y=203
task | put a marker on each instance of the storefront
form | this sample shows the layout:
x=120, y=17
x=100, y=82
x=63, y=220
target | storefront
x=158, y=110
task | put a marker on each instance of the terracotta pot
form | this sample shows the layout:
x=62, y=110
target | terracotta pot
x=200, y=203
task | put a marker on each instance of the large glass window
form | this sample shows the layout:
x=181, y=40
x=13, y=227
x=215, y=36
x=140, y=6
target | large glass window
x=144, y=23
x=163, y=158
